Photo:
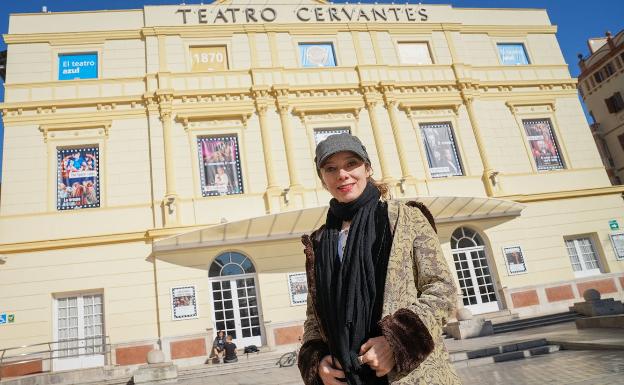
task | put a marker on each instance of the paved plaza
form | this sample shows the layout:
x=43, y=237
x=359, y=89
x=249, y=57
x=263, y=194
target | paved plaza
x=561, y=368
x=596, y=358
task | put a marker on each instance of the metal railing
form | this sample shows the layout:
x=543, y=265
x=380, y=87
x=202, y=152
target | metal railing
x=73, y=347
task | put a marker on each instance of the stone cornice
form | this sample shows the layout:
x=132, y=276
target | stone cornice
x=200, y=31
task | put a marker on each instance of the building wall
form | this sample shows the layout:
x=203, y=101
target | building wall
x=610, y=124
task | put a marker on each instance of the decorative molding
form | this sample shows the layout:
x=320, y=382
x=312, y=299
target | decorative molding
x=241, y=112
x=565, y=194
x=49, y=130
x=409, y=107
x=515, y=105
x=72, y=38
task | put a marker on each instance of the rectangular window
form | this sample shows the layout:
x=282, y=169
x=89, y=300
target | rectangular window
x=78, y=66
x=615, y=103
x=543, y=144
x=209, y=58
x=317, y=55
x=80, y=326
x=609, y=70
x=599, y=76
x=512, y=54
x=621, y=140
x=219, y=165
x=583, y=257
x=414, y=53
x=78, y=178
x=441, y=150
x=322, y=134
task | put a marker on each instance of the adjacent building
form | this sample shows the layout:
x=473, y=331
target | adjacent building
x=601, y=84
x=158, y=167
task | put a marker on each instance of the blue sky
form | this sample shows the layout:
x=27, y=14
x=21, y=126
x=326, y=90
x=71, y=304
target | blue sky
x=577, y=21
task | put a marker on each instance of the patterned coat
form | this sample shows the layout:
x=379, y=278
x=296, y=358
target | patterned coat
x=419, y=296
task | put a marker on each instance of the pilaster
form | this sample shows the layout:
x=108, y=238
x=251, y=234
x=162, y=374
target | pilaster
x=371, y=99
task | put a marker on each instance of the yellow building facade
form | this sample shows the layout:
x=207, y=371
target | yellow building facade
x=158, y=167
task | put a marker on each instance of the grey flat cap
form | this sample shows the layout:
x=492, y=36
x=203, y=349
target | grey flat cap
x=337, y=143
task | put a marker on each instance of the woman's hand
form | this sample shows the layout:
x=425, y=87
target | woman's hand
x=329, y=375
x=377, y=354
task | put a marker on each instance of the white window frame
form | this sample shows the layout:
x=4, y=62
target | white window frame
x=404, y=42
x=515, y=42
x=584, y=272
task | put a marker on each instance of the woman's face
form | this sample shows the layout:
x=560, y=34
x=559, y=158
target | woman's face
x=345, y=176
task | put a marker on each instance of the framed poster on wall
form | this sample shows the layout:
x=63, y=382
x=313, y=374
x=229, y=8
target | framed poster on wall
x=183, y=302
x=298, y=288
x=618, y=245
x=78, y=178
x=514, y=259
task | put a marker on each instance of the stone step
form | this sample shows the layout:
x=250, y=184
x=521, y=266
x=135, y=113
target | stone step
x=526, y=323
x=253, y=362
x=492, y=357
x=499, y=316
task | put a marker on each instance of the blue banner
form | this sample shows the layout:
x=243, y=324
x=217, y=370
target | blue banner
x=78, y=66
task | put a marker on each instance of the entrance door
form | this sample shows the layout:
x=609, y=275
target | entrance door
x=79, y=332
x=475, y=281
x=236, y=309
x=235, y=298
x=473, y=272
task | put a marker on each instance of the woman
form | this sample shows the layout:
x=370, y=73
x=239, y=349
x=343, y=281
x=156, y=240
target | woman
x=218, y=345
x=379, y=289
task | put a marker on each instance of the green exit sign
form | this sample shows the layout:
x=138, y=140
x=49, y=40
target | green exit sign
x=613, y=224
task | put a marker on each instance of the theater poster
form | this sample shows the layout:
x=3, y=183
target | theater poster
x=441, y=151
x=183, y=302
x=543, y=144
x=219, y=164
x=298, y=288
x=322, y=134
x=514, y=258
x=618, y=245
x=78, y=179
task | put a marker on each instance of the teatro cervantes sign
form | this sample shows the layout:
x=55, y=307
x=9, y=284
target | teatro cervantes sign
x=345, y=13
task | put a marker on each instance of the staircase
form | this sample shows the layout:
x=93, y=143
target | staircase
x=502, y=353
x=253, y=362
x=526, y=323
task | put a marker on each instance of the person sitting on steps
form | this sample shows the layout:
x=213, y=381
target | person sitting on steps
x=230, y=351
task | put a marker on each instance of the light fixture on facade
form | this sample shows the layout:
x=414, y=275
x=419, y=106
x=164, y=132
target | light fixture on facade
x=286, y=195
x=402, y=185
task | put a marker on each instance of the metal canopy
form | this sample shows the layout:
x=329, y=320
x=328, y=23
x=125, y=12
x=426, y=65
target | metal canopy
x=292, y=224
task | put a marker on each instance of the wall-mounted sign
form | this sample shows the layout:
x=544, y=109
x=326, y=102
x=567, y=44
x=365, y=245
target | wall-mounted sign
x=11, y=318
x=3, y=318
x=78, y=66
x=614, y=225
x=335, y=13
x=514, y=258
x=618, y=245
x=298, y=288
x=183, y=302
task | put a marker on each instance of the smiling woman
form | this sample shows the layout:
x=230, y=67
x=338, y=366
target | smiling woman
x=364, y=324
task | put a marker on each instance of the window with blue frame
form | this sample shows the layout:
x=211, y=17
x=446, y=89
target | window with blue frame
x=317, y=55
x=78, y=66
x=512, y=54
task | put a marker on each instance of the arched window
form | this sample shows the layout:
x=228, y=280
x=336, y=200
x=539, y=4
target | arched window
x=230, y=263
x=464, y=237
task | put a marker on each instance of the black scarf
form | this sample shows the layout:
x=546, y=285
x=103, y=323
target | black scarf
x=349, y=295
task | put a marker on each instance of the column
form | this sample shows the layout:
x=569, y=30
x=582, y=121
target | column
x=489, y=176
x=169, y=205
x=371, y=101
x=284, y=113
